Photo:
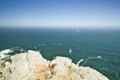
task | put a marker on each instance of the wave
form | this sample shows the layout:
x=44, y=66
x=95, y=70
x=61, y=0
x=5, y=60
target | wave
x=102, y=65
x=6, y=51
x=79, y=61
x=4, y=55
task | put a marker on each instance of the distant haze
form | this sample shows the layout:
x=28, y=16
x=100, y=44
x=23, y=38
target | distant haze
x=60, y=13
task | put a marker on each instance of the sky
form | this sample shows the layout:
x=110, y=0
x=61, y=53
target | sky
x=60, y=13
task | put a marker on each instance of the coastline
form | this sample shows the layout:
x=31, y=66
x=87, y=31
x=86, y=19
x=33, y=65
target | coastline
x=32, y=66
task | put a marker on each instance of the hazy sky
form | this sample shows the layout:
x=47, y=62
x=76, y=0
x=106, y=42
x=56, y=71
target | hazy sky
x=82, y=13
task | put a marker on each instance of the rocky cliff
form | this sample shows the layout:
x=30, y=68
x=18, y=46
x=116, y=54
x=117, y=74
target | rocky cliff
x=32, y=66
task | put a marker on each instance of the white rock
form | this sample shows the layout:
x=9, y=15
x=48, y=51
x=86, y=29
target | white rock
x=32, y=66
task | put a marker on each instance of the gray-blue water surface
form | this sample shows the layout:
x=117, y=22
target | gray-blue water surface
x=99, y=49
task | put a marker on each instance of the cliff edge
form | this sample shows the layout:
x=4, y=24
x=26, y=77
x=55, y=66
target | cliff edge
x=32, y=66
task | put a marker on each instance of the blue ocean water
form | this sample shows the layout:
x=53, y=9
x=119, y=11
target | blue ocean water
x=98, y=49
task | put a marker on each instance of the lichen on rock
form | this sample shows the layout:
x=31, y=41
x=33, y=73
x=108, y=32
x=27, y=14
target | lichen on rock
x=32, y=66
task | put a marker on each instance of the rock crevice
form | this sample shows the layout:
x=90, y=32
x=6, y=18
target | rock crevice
x=28, y=62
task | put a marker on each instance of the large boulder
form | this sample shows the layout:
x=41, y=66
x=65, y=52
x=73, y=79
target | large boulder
x=32, y=66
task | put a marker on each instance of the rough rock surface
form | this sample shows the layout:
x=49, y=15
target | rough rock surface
x=32, y=66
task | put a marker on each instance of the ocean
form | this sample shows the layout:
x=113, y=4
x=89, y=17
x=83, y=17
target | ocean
x=98, y=49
